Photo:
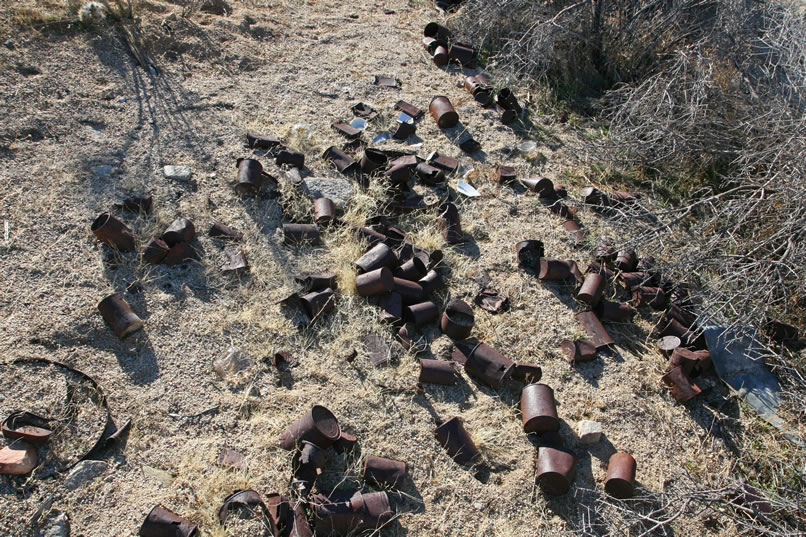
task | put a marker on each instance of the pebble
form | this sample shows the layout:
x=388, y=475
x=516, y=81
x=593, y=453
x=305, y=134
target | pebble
x=180, y=173
x=84, y=472
x=589, y=432
x=19, y=458
x=56, y=525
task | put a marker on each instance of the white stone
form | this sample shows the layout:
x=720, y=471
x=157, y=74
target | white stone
x=180, y=173
x=84, y=472
x=589, y=432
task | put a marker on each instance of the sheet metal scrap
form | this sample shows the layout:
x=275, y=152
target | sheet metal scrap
x=377, y=349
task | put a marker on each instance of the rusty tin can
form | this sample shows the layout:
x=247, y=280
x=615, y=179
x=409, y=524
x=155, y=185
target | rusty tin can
x=488, y=365
x=538, y=409
x=457, y=320
x=555, y=470
x=411, y=270
x=453, y=436
x=110, y=230
x=324, y=211
x=443, y=113
x=437, y=372
x=119, y=315
x=383, y=472
x=297, y=233
x=620, y=481
x=591, y=291
x=162, y=522
x=249, y=177
x=318, y=302
x=580, y=350
x=155, y=250
x=318, y=426
x=180, y=230
x=422, y=313
x=372, y=160
x=375, y=282
x=376, y=257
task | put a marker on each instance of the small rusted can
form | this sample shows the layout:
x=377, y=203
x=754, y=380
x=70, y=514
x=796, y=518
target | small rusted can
x=591, y=291
x=404, y=130
x=580, y=350
x=440, y=55
x=626, y=260
x=443, y=162
x=449, y=223
x=507, y=99
x=574, y=230
x=462, y=53
x=221, y=231
x=506, y=174
x=538, y=185
x=594, y=328
x=376, y=257
x=422, y=313
x=345, y=443
x=488, y=365
x=340, y=159
x=398, y=174
x=139, y=204
x=667, y=345
x=297, y=233
x=430, y=175
x=437, y=31
x=318, y=426
x=119, y=315
x=324, y=211
x=372, y=160
x=180, y=230
x=654, y=297
x=155, y=250
x=620, y=481
x=437, y=372
x=430, y=44
x=249, y=177
x=161, y=522
x=614, y=311
x=318, y=302
x=383, y=472
x=443, y=112
x=479, y=87
x=179, y=253
x=452, y=436
x=555, y=470
x=31, y=428
x=297, y=160
x=538, y=409
x=554, y=269
x=680, y=385
x=457, y=320
x=410, y=292
x=375, y=282
x=430, y=282
x=109, y=230
x=411, y=270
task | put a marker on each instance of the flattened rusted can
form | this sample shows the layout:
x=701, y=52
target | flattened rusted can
x=297, y=233
x=340, y=159
x=139, y=204
x=372, y=160
x=580, y=350
x=620, y=481
x=180, y=253
x=161, y=522
x=538, y=409
x=462, y=53
x=119, y=315
x=457, y=320
x=318, y=302
x=249, y=177
x=591, y=291
x=430, y=175
x=430, y=282
x=443, y=113
x=221, y=231
x=422, y=313
x=392, y=308
x=437, y=372
x=488, y=365
x=506, y=174
x=383, y=472
x=453, y=436
x=376, y=257
x=297, y=160
x=346, y=129
x=398, y=174
x=375, y=282
x=409, y=109
x=449, y=223
x=626, y=260
x=109, y=230
x=555, y=470
x=554, y=269
x=654, y=297
x=318, y=426
x=595, y=330
x=324, y=211
x=180, y=230
x=155, y=251
x=411, y=270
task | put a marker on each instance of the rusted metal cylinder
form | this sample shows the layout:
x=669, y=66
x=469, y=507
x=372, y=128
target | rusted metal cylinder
x=538, y=409
x=555, y=470
x=430, y=282
x=430, y=44
x=180, y=230
x=410, y=292
x=440, y=55
x=294, y=159
x=422, y=313
x=620, y=481
x=249, y=177
x=538, y=185
x=383, y=472
x=155, y=250
x=109, y=230
x=457, y=320
x=654, y=297
x=488, y=365
x=376, y=257
x=318, y=426
x=580, y=350
x=626, y=260
x=221, y=231
x=507, y=99
x=443, y=113
x=179, y=253
x=529, y=253
x=324, y=211
x=667, y=345
x=574, y=230
x=404, y=130
x=479, y=87
x=398, y=174
x=411, y=270
x=437, y=31
x=429, y=175
x=506, y=174
x=370, y=235
x=372, y=160
x=362, y=512
x=462, y=53
x=139, y=204
x=452, y=436
x=614, y=311
x=507, y=116
x=161, y=522
x=591, y=291
x=296, y=233
x=375, y=282
x=340, y=159
x=595, y=329
x=449, y=223
x=593, y=196
x=437, y=372
x=554, y=269
x=318, y=302
x=631, y=280
x=119, y=315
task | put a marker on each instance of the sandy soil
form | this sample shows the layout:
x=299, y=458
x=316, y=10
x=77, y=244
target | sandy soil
x=82, y=126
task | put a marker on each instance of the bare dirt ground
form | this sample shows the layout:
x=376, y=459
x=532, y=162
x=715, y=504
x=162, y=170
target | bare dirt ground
x=82, y=125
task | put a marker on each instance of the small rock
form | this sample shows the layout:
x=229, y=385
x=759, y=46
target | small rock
x=180, y=173
x=122, y=99
x=339, y=190
x=160, y=476
x=84, y=472
x=18, y=458
x=589, y=432
x=56, y=525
